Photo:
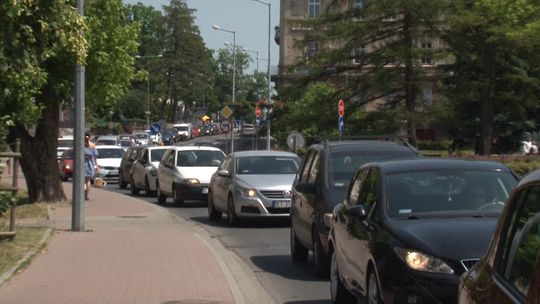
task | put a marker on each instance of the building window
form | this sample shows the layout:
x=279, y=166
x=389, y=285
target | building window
x=359, y=55
x=427, y=95
x=314, y=8
x=426, y=58
x=313, y=49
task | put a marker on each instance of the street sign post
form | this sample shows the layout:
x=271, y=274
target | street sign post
x=225, y=126
x=341, y=125
x=226, y=112
x=155, y=128
x=341, y=108
x=258, y=112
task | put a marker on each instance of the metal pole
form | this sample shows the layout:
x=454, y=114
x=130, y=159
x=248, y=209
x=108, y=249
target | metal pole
x=77, y=215
x=233, y=87
x=15, y=185
x=269, y=100
x=147, y=94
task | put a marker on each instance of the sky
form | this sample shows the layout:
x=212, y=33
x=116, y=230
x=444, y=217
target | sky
x=249, y=19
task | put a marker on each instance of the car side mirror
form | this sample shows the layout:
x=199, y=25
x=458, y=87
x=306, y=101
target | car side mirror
x=224, y=173
x=306, y=188
x=357, y=212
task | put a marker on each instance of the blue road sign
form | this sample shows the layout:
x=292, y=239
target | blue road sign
x=155, y=127
x=341, y=125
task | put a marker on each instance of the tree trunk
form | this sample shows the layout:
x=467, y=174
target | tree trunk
x=410, y=91
x=39, y=163
x=486, y=103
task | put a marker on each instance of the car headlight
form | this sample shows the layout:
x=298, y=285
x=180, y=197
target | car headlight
x=153, y=171
x=191, y=181
x=68, y=167
x=248, y=192
x=423, y=262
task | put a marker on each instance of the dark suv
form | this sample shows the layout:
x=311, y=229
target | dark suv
x=321, y=184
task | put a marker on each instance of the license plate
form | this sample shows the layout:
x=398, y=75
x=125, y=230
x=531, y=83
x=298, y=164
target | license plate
x=205, y=190
x=281, y=204
x=113, y=172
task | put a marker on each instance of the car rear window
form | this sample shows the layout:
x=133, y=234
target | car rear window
x=110, y=153
x=157, y=154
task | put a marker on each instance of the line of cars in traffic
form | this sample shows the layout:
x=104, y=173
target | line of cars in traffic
x=385, y=225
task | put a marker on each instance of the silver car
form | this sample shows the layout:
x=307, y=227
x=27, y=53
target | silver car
x=144, y=170
x=253, y=184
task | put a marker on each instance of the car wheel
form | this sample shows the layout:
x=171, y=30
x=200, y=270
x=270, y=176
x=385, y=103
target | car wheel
x=299, y=252
x=319, y=257
x=232, y=218
x=213, y=214
x=176, y=199
x=64, y=177
x=121, y=183
x=162, y=199
x=134, y=189
x=374, y=294
x=338, y=292
x=147, y=190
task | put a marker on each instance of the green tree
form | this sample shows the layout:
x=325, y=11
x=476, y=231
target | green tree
x=374, y=53
x=45, y=42
x=493, y=87
x=187, y=59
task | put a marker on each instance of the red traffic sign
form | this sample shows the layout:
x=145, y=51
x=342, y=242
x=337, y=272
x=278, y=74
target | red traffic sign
x=341, y=108
x=258, y=112
x=225, y=126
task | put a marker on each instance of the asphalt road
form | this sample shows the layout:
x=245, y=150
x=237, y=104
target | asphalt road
x=264, y=246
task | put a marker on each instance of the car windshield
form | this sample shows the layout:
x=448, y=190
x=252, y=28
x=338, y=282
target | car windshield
x=183, y=128
x=156, y=154
x=448, y=192
x=199, y=158
x=110, y=153
x=141, y=136
x=68, y=154
x=125, y=143
x=267, y=165
x=343, y=165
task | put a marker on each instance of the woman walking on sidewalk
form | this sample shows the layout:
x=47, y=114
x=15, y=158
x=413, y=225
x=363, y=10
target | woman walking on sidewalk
x=90, y=164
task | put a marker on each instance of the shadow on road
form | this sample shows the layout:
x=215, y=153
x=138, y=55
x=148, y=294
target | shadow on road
x=259, y=223
x=282, y=265
x=187, y=204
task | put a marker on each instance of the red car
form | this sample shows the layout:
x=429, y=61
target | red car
x=65, y=165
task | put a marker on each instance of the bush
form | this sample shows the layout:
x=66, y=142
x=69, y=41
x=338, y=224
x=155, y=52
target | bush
x=6, y=200
x=433, y=145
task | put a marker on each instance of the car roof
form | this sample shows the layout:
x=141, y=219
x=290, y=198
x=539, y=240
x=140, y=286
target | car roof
x=353, y=145
x=532, y=177
x=158, y=147
x=422, y=164
x=263, y=153
x=99, y=147
x=191, y=148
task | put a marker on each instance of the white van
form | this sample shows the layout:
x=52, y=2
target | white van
x=185, y=130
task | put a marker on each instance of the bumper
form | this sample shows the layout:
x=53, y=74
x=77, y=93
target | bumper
x=152, y=182
x=257, y=207
x=424, y=287
x=195, y=192
x=108, y=174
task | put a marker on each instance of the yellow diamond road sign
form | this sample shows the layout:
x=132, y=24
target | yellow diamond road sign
x=226, y=112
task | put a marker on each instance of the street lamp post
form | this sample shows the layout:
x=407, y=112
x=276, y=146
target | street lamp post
x=147, y=112
x=269, y=88
x=218, y=28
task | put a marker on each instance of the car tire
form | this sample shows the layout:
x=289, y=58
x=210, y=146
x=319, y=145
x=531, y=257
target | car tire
x=134, y=189
x=338, y=292
x=213, y=214
x=147, y=190
x=373, y=290
x=322, y=266
x=299, y=252
x=64, y=177
x=232, y=218
x=176, y=199
x=121, y=183
x=161, y=198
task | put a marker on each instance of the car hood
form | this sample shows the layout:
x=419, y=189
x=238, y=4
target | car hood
x=266, y=181
x=203, y=174
x=451, y=238
x=109, y=162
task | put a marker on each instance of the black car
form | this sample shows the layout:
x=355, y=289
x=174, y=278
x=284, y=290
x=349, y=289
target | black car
x=509, y=272
x=167, y=137
x=407, y=230
x=321, y=184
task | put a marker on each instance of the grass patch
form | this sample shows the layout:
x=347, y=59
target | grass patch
x=24, y=242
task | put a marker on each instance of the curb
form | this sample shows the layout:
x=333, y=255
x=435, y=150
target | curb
x=5, y=276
